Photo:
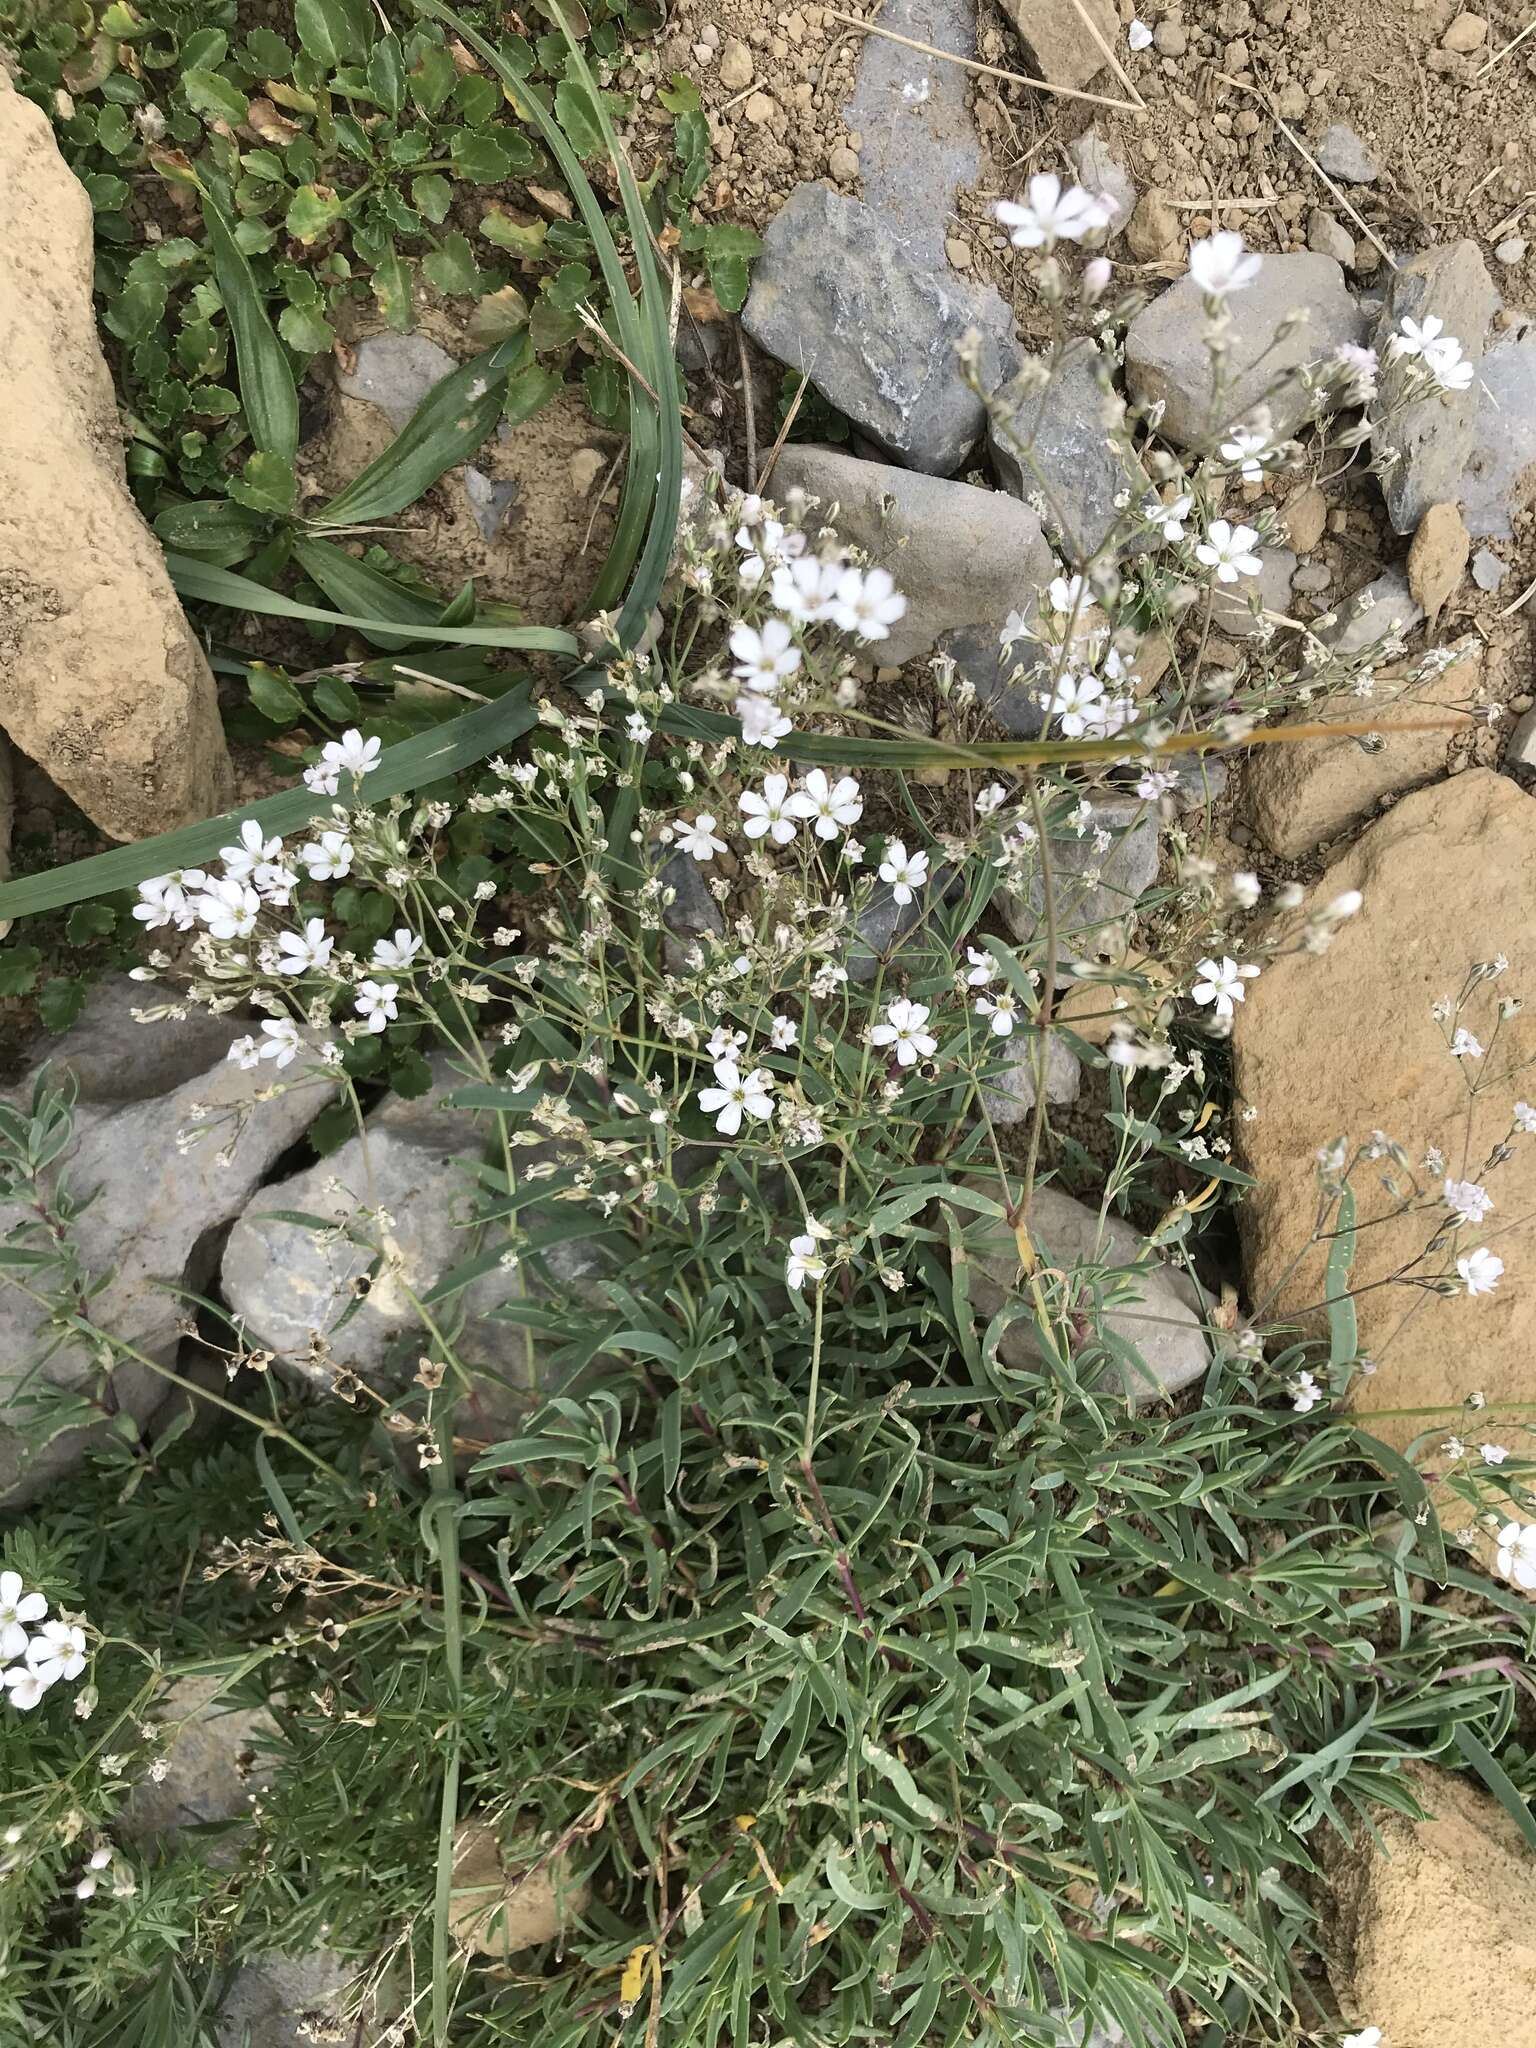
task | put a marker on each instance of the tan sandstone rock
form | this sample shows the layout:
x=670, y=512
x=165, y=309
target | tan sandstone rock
x=1344, y=1044
x=1301, y=795
x=101, y=679
x=1434, y=1929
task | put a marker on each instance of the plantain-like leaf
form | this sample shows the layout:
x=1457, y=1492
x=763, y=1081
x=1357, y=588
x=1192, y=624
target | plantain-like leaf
x=447, y=427
x=216, y=530
x=362, y=592
x=267, y=389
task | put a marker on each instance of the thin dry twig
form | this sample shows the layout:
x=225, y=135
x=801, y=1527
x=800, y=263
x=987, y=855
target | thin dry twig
x=419, y=675
x=783, y=435
x=1528, y=592
x=1115, y=65
x=1216, y=205
x=1499, y=55
x=1257, y=92
x=1065, y=92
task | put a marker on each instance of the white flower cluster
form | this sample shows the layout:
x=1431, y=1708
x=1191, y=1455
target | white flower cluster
x=804, y=589
x=54, y=1650
x=1051, y=213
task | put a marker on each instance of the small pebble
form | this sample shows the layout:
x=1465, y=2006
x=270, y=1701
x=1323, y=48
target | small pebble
x=1512, y=250
x=958, y=252
x=1488, y=572
x=736, y=67
x=1327, y=236
x=843, y=164
x=1312, y=578
x=1171, y=38
x=1466, y=32
x=759, y=110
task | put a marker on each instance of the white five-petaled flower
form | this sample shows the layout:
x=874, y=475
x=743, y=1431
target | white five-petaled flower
x=1222, y=982
x=867, y=603
x=804, y=1261
x=281, y=1042
x=1067, y=593
x=1168, y=520
x=1049, y=214
x=1517, y=1554
x=254, y=849
x=1001, y=1008
x=1362, y=365
x=1525, y=1117
x=982, y=968
x=829, y=807
x=1492, y=1454
x=328, y=858
x=698, y=837
x=1415, y=337
x=762, y=722
x=351, y=754
x=905, y=872
x=17, y=1608
x=1464, y=1046
x=1228, y=550
x=1368, y=2037
x=764, y=659
x=229, y=909
x=1078, y=701
x=770, y=814
x=636, y=728
x=723, y=1043
x=902, y=1030
x=806, y=589
x=24, y=1686
x=163, y=900
x=1247, y=449
x=398, y=952
x=990, y=799
x=1480, y=1270
x=1468, y=1200
x=244, y=1052
x=57, y=1651
x=307, y=951
x=734, y=1093
x=376, y=1004
x=782, y=1033
x=1220, y=264
x=1305, y=1393
x=1448, y=366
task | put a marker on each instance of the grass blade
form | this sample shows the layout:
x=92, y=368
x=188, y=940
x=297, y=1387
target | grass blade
x=267, y=389
x=450, y=423
x=222, y=586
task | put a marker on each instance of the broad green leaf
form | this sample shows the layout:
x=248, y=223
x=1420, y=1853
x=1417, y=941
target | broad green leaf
x=681, y=96
x=575, y=112
x=451, y=266
x=306, y=331
x=214, y=97
x=497, y=317
x=313, y=210
x=482, y=158
x=524, y=240
x=432, y=78
x=273, y=695
x=432, y=195
x=332, y=30
x=265, y=485
x=391, y=287
x=266, y=382
x=386, y=73
x=451, y=422
x=18, y=969
x=60, y=1000
x=530, y=390
x=216, y=530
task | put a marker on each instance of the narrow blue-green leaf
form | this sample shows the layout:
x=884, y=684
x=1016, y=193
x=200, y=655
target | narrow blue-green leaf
x=1494, y=1776
x=267, y=389
x=446, y=428
x=1343, y=1323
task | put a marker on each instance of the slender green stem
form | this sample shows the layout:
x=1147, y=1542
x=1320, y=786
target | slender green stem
x=445, y=1519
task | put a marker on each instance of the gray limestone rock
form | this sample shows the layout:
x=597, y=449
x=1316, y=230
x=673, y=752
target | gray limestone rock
x=1166, y=359
x=913, y=111
x=962, y=557
x=692, y=913
x=1096, y=889
x=1059, y=40
x=1488, y=572
x=1500, y=474
x=1434, y=437
x=1521, y=751
x=1155, y=1337
x=835, y=294
x=1327, y=235
x=1344, y=156
x=218, y=1756
x=1100, y=168
x=155, y=1222
x=1232, y=604
x=1009, y=1098
x=114, y=1060
x=395, y=372
x=280, y=2001
x=1054, y=445
x=405, y=1194
x=1382, y=606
